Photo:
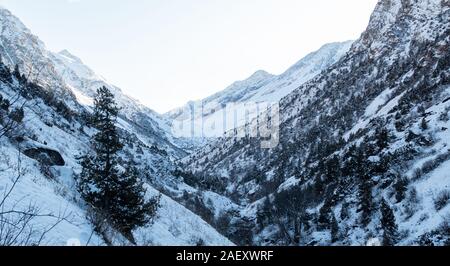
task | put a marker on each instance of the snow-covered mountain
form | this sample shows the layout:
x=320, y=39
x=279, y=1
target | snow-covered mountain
x=39, y=159
x=200, y=119
x=19, y=47
x=301, y=72
x=361, y=156
x=151, y=127
x=69, y=77
x=371, y=128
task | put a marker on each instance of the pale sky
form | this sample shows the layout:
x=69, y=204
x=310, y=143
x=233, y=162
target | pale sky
x=168, y=52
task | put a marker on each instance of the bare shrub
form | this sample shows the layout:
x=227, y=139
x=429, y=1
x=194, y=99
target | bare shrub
x=442, y=200
x=17, y=225
x=412, y=203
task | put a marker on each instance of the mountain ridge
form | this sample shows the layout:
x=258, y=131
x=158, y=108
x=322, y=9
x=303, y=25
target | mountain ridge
x=362, y=157
x=55, y=132
x=261, y=88
x=355, y=129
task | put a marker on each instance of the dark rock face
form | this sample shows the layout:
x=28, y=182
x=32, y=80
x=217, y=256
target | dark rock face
x=45, y=156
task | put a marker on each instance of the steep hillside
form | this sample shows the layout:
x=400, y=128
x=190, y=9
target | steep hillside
x=204, y=119
x=70, y=79
x=45, y=127
x=83, y=82
x=372, y=128
x=40, y=160
x=359, y=154
x=19, y=47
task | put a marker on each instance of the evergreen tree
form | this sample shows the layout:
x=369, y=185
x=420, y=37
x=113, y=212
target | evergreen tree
x=424, y=124
x=130, y=208
x=355, y=163
x=388, y=224
x=401, y=186
x=334, y=229
x=421, y=109
x=5, y=72
x=382, y=138
x=333, y=168
x=4, y=104
x=17, y=73
x=365, y=199
x=263, y=214
x=10, y=118
x=116, y=193
x=17, y=115
x=324, y=220
x=344, y=211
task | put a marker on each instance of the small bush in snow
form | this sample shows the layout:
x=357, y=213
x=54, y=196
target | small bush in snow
x=430, y=166
x=424, y=124
x=424, y=217
x=442, y=200
x=200, y=243
x=444, y=116
x=438, y=237
x=412, y=203
x=417, y=174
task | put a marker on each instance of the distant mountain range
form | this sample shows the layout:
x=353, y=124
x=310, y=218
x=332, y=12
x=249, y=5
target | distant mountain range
x=361, y=154
x=261, y=87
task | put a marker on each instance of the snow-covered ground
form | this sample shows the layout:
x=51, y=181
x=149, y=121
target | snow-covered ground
x=52, y=188
x=243, y=101
x=174, y=225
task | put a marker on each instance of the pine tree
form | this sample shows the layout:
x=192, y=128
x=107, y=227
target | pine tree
x=388, y=224
x=334, y=229
x=401, y=186
x=382, y=138
x=263, y=214
x=4, y=103
x=100, y=168
x=116, y=193
x=344, y=211
x=333, y=168
x=424, y=124
x=365, y=199
x=17, y=115
x=5, y=72
x=325, y=213
x=130, y=208
x=17, y=73
x=421, y=109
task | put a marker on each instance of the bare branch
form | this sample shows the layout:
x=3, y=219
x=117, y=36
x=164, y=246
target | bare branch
x=16, y=225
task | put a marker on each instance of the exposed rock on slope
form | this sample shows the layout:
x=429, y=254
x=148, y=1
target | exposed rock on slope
x=201, y=119
x=372, y=126
x=42, y=154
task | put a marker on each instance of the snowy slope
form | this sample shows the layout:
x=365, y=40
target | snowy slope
x=56, y=101
x=301, y=72
x=51, y=188
x=358, y=124
x=249, y=98
x=18, y=46
x=83, y=81
x=72, y=80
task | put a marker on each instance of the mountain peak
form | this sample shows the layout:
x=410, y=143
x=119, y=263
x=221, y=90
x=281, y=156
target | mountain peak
x=260, y=74
x=11, y=22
